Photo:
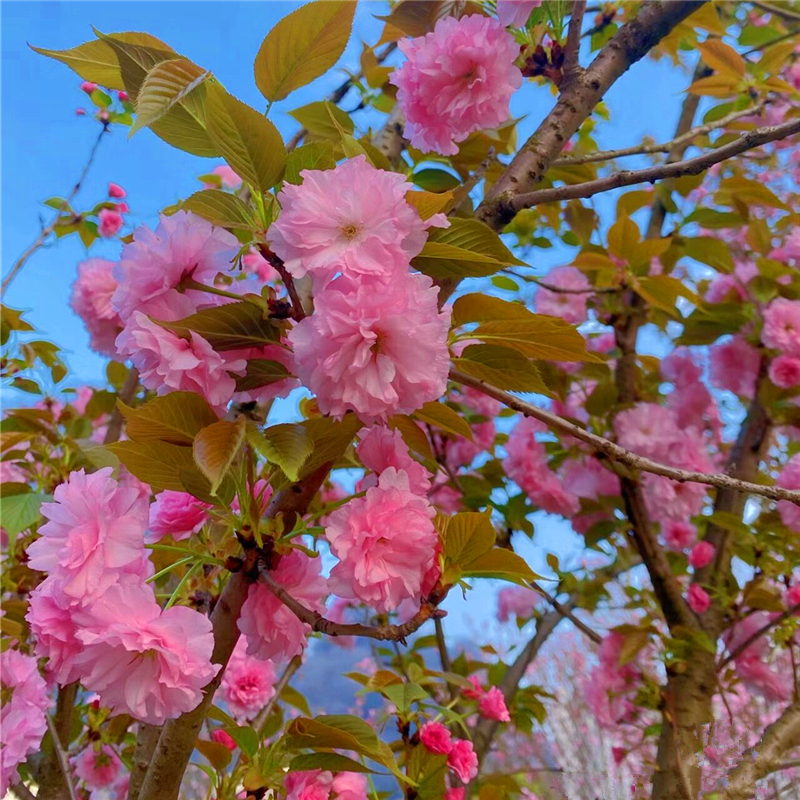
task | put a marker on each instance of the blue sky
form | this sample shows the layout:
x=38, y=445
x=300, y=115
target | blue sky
x=44, y=146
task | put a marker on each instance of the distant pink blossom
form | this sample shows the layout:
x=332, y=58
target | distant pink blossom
x=256, y=264
x=385, y=543
x=790, y=479
x=647, y=429
x=790, y=249
x=98, y=768
x=110, y=221
x=148, y=663
x=515, y=13
x=793, y=596
x=95, y=528
x=589, y=479
x=377, y=353
x=228, y=177
x=123, y=96
x=476, y=691
x=311, y=785
x=353, y=219
x=116, y=191
x=725, y=289
x=457, y=79
x=609, y=687
x=381, y=448
x=570, y=307
x=458, y=793
x=168, y=363
x=679, y=535
x=782, y=326
x=272, y=630
x=223, y=737
x=756, y=666
x=247, y=684
x=91, y=301
x=80, y=112
x=350, y=786
x=784, y=371
x=22, y=714
x=176, y=514
x=702, y=555
x=516, y=601
x=436, y=738
x=493, y=705
x=155, y=262
x=463, y=760
x=88, y=87
x=734, y=365
x=698, y=599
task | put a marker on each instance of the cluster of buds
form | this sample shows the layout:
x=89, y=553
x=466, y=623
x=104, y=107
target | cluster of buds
x=544, y=59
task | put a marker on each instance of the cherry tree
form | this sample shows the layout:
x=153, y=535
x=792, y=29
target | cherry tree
x=175, y=558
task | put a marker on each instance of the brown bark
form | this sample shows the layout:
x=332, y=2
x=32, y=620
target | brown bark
x=52, y=785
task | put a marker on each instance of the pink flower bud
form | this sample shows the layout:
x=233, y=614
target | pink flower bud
x=80, y=112
x=123, y=208
x=88, y=87
x=436, y=738
x=698, y=599
x=123, y=96
x=701, y=555
x=223, y=737
x=116, y=191
x=793, y=596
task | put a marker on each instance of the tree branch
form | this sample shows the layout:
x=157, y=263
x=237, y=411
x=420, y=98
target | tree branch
x=756, y=635
x=615, y=452
x=691, y=166
x=572, y=67
x=567, y=613
x=277, y=263
x=52, y=784
x=146, y=741
x=785, y=13
x=61, y=755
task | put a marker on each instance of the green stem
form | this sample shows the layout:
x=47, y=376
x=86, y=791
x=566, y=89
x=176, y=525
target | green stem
x=171, y=567
x=190, y=283
x=183, y=581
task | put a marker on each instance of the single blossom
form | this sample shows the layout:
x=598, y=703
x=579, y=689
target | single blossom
x=377, y=353
x=457, y=79
x=702, y=555
x=312, y=785
x=116, y=191
x=381, y=448
x=569, y=305
x=88, y=87
x=493, y=705
x=385, y=543
x=167, y=363
x=154, y=265
x=782, y=326
x=224, y=738
x=698, y=599
x=353, y=219
x=98, y=767
x=95, y=529
x=679, y=535
x=91, y=301
x=784, y=371
x=143, y=661
x=110, y=221
x=176, y=514
x=271, y=629
x=350, y=786
x=463, y=760
x=436, y=738
x=247, y=684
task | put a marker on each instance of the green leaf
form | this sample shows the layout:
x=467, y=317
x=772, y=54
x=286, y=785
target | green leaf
x=468, y=248
x=331, y=440
x=222, y=208
x=314, y=155
x=245, y=737
x=159, y=464
x=502, y=564
x=97, y=62
x=11, y=320
x=286, y=445
x=623, y=238
x=323, y=118
x=247, y=140
x=291, y=696
x=501, y=367
x=709, y=250
x=404, y=694
x=332, y=762
x=215, y=448
x=20, y=511
x=542, y=337
x=302, y=46
x=216, y=752
x=435, y=180
x=445, y=418
x=261, y=372
x=229, y=327
x=414, y=17
x=175, y=418
x=166, y=84
x=469, y=535
x=485, y=307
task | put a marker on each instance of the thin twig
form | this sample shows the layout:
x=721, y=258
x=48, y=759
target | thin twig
x=317, y=622
x=691, y=166
x=63, y=763
x=777, y=40
x=664, y=147
x=126, y=394
x=567, y=613
x=572, y=67
x=50, y=227
x=617, y=453
x=277, y=263
x=786, y=13
x=756, y=635
x=444, y=656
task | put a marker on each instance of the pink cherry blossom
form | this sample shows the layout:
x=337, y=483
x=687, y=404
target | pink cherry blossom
x=247, y=684
x=609, y=687
x=462, y=760
x=734, y=365
x=725, y=289
x=223, y=737
x=272, y=631
x=227, y=176
x=790, y=479
x=790, y=249
x=589, y=479
x=312, y=785
x=702, y=555
x=647, y=429
x=377, y=353
x=784, y=371
x=385, y=543
x=755, y=666
x=353, y=219
x=80, y=112
x=381, y=448
x=516, y=601
x=570, y=307
x=155, y=262
x=95, y=528
x=526, y=464
x=458, y=78
x=110, y=221
x=98, y=768
x=476, y=692
x=679, y=535
x=493, y=705
x=436, y=738
x=88, y=87
x=793, y=596
x=698, y=599
x=116, y=191
x=22, y=715
x=176, y=514
x=350, y=786
x=167, y=363
x=515, y=13
x=256, y=264
x=455, y=794
x=782, y=326
x=91, y=301
x=148, y=663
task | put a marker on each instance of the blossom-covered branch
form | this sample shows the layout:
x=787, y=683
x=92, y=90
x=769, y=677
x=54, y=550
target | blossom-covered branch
x=617, y=453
